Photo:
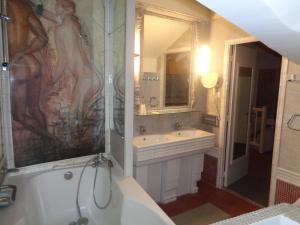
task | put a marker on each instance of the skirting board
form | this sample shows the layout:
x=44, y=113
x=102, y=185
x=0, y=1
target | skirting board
x=288, y=176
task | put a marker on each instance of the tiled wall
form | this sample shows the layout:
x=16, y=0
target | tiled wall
x=287, y=155
x=165, y=122
x=286, y=192
x=117, y=53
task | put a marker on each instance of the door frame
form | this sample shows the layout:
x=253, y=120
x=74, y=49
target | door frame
x=232, y=164
x=225, y=95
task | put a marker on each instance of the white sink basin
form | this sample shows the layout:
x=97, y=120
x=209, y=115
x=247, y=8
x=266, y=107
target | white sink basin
x=154, y=146
x=151, y=139
x=277, y=220
x=192, y=133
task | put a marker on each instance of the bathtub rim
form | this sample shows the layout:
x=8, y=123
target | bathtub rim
x=64, y=164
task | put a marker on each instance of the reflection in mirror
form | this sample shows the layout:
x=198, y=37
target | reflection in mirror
x=177, y=78
x=166, y=63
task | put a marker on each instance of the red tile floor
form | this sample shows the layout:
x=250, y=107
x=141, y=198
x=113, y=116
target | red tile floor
x=229, y=203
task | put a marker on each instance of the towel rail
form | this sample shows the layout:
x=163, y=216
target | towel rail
x=291, y=121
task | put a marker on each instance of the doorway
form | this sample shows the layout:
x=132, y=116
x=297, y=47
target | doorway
x=253, y=94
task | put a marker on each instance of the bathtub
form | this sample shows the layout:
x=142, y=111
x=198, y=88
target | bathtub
x=46, y=197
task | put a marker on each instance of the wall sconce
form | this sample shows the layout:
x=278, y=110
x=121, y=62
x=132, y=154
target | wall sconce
x=137, y=67
x=203, y=60
x=210, y=80
x=137, y=53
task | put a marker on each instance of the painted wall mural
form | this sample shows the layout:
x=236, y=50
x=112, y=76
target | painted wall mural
x=57, y=89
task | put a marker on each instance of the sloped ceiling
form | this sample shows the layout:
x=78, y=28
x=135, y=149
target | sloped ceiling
x=274, y=22
x=160, y=34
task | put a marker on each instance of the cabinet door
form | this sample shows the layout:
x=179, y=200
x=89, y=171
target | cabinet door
x=191, y=168
x=170, y=180
x=149, y=177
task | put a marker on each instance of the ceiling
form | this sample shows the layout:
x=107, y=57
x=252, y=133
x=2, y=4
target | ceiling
x=274, y=22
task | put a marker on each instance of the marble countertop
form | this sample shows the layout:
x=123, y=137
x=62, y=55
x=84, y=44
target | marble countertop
x=287, y=210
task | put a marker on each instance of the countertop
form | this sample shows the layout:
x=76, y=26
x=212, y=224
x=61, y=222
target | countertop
x=287, y=210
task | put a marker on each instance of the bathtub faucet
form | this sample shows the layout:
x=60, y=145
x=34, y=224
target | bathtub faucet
x=7, y=195
x=7, y=192
x=101, y=160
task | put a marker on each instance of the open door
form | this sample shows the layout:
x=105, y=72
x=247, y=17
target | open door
x=242, y=80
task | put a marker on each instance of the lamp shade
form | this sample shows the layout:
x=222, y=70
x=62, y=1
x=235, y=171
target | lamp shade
x=210, y=80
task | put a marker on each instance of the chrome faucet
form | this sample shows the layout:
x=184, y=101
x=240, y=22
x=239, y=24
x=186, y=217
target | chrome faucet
x=7, y=192
x=178, y=126
x=7, y=195
x=142, y=130
x=101, y=160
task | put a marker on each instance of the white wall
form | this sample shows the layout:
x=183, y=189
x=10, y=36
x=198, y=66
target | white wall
x=150, y=65
x=220, y=32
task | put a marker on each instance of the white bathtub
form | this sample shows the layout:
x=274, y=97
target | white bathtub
x=47, y=198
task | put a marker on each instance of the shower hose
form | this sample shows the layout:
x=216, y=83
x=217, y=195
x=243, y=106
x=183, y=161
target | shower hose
x=97, y=164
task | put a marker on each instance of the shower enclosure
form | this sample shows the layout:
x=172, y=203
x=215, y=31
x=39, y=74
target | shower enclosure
x=63, y=78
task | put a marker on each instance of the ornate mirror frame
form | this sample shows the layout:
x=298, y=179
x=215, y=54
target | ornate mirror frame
x=141, y=11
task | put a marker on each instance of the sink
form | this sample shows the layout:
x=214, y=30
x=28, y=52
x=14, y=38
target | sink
x=191, y=133
x=277, y=220
x=151, y=139
x=158, y=146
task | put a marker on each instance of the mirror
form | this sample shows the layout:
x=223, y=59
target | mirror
x=177, y=78
x=166, y=64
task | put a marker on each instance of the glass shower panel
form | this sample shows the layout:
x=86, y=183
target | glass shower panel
x=1, y=137
x=57, y=59
x=118, y=64
x=117, y=92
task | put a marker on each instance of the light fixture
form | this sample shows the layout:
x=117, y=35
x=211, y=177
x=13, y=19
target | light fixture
x=137, y=68
x=210, y=80
x=137, y=52
x=203, y=60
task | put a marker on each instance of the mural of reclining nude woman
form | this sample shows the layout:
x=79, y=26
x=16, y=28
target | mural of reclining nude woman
x=56, y=93
x=72, y=58
x=27, y=36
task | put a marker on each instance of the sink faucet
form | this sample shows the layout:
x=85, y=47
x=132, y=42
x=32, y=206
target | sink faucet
x=142, y=130
x=178, y=126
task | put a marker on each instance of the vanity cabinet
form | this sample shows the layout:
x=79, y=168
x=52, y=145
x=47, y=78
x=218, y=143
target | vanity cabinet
x=169, y=178
x=169, y=165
